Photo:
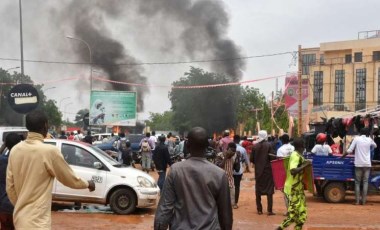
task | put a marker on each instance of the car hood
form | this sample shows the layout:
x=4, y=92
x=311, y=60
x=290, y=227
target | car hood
x=131, y=174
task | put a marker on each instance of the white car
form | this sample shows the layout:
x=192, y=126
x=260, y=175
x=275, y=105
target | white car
x=123, y=188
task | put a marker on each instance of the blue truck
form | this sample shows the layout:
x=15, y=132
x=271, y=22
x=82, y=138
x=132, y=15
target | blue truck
x=334, y=176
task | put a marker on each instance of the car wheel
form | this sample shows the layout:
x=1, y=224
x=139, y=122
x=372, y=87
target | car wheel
x=123, y=201
x=334, y=192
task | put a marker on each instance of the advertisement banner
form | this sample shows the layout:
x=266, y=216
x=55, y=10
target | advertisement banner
x=291, y=94
x=114, y=108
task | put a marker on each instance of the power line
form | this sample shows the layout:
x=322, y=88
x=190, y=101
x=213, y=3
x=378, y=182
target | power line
x=151, y=63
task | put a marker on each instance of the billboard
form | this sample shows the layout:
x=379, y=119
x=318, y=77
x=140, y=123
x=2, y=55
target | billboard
x=116, y=108
x=291, y=94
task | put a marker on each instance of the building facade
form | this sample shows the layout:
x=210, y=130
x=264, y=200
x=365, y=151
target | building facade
x=344, y=77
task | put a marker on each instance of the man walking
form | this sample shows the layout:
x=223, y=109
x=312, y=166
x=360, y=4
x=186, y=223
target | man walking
x=31, y=170
x=196, y=194
x=362, y=145
x=263, y=172
x=239, y=174
x=161, y=158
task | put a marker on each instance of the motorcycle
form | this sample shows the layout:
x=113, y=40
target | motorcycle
x=210, y=154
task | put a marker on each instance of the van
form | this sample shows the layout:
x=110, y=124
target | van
x=5, y=130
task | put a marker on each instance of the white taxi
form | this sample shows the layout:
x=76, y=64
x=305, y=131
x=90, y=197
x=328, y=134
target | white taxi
x=123, y=188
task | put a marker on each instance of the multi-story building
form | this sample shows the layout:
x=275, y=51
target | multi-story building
x=344, y=76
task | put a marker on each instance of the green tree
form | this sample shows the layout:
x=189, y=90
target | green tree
x=162, y=122
x=212, y=108
x=78, y=121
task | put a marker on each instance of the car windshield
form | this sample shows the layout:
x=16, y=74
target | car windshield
x=105, y=156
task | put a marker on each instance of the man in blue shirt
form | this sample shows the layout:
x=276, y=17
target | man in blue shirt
x=238, y=175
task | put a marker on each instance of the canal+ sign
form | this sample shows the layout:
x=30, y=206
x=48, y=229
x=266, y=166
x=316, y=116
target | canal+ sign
x=23, y=98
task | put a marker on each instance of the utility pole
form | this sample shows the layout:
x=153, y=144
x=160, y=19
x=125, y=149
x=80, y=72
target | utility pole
x=299, y=91
x=271, y=113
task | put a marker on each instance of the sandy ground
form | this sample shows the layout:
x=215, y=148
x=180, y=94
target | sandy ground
x=321, y=215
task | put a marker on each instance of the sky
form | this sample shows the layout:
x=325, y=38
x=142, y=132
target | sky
x=257, y=28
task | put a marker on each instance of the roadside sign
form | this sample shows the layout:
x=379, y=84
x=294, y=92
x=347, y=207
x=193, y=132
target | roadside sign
x=116, y=108
x=23, y=98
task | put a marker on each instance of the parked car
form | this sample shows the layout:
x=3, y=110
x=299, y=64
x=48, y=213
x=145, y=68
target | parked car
x=123, y=188
x=5, y=130
x=111, y=144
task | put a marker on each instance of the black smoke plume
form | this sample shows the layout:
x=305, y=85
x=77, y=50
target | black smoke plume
x=107, y=53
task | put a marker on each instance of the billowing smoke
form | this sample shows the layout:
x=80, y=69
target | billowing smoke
x=107, y=53
x=205, y=26
x=197, y=30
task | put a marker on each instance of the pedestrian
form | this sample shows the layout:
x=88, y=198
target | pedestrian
x=63, y=135
x=126, y=153
x=162, y=160
x=294, y=189
x=321, y=148
x=121, y=146
x=223, y=142
x=78, y=136
x=361, y=145
x=146, y=156
x=88, y=138
x=196, y=192
x=238, y=175
x=71, y=136
x=226, y=160
x=153, y=140
x=260, y=157
x=284, y=151
x=6, y=207
x=31, y=170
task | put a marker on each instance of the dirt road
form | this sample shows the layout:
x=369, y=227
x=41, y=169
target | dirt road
x=321, y=215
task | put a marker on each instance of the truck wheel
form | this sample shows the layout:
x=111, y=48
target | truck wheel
x=334, y=192
x=123, y=201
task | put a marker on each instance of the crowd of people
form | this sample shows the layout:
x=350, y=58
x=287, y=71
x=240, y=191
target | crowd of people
x=194, y=192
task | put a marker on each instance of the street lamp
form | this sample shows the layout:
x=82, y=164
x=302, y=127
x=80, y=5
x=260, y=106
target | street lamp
x=90, y=52
x=65, y=108
x=17, y=67
x=48, y=88
x=21, y=42
x=60, y=102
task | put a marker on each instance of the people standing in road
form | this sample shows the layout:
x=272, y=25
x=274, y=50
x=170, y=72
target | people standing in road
x=239, y=174
x=161, y=158
x=294, y=189
x=78, y=136
x=31, y=170
x=6, y=207
x=63, y=135
x=260, y=157
x=226, y=160
x=121, y=146
x=223, y=143
x=321, y=148
x=146, y=156
x=71, y=136
x=153, y=140
x=196, y=192
x=88, y=138
x=284, y=151
x=362, y=146
x=126, y=154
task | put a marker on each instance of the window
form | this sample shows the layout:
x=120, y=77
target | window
x=322, y=59
x=348, y=58
x=376, y=55
x=358, y=57
x=318, y=88
x=77, y=156
x=307, y=60
x=339, y=90
x=360, y=97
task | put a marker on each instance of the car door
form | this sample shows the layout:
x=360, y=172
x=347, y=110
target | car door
x=82, y=161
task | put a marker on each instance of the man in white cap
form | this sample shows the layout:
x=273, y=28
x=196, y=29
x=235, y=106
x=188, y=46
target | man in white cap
x=263, y=172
